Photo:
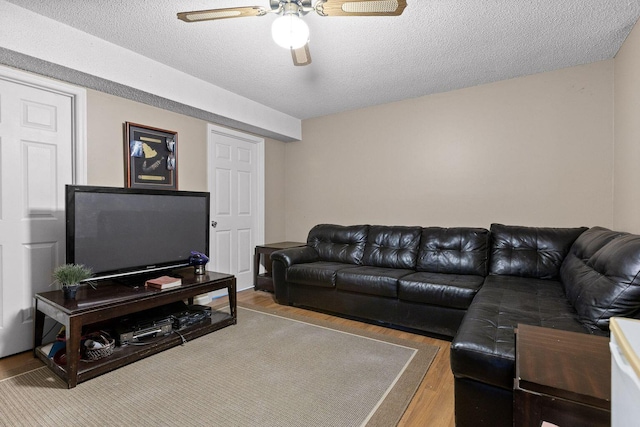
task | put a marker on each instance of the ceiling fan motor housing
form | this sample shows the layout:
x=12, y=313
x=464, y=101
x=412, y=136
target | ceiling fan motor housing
x=301, y=4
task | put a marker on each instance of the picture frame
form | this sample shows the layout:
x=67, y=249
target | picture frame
x=150, y=157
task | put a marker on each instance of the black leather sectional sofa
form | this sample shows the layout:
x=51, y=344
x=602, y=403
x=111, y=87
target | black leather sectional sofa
x=471, y=284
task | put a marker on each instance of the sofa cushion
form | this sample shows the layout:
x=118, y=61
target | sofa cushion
x=392, y=247
x=447, y=290
x=371, y=280
x=603, y=282
x=319, y=273
x=592, y=240
x=574, y=265
x=483, y=348
x=337, y=243
x=457, y=250
x=534, y=252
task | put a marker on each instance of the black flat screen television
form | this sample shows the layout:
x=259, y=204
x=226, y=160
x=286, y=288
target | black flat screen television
x=120, y=232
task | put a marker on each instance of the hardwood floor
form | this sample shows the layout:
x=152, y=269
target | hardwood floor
x=432, y=405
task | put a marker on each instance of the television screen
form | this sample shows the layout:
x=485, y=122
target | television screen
x=125, y=231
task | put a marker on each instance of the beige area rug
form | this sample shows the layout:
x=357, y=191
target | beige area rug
x=268, y=370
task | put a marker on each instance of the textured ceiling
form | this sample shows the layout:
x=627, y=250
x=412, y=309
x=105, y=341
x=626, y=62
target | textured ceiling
x=434, y=46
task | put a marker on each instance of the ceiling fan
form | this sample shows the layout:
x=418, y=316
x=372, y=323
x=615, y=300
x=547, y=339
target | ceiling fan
x=291, y=32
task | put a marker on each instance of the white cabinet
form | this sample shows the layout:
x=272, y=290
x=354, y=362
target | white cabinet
x=625, y=371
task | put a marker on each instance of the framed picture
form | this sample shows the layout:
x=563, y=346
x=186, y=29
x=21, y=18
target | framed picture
x=150, y=157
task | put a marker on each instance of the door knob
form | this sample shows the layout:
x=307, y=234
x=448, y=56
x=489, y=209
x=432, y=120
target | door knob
x=214, y=224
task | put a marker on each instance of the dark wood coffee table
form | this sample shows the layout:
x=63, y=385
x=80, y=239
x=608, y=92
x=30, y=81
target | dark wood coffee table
x=561, y=377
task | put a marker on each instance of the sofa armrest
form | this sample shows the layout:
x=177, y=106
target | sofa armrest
x=283, y=259
x=292, y=256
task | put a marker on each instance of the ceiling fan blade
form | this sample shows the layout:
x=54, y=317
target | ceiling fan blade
x=361, y=7
x=211, y=14
x=301, y=56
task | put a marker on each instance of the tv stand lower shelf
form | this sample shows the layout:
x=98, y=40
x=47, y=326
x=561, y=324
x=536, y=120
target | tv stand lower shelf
x=111, y=300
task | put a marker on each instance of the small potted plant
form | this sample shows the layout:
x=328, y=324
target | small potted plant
x=69, y=276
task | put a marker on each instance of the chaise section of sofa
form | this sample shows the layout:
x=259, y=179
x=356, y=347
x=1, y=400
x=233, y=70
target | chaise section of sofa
x=538, y=277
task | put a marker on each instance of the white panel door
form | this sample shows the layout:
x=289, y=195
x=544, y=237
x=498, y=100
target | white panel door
x=237, y=202
x=36, y=134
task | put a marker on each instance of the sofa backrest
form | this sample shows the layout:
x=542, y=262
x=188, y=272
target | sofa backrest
x=601, y=276
x=534, y=252
x=392, y=246
x=459, y=250
x=338, y=243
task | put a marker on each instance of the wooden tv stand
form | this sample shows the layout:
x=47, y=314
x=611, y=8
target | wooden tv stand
x=111, y=300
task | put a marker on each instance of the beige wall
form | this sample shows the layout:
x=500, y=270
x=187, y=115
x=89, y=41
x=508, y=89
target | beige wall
x=536, y=150
x=106, y=115
x=627, y=135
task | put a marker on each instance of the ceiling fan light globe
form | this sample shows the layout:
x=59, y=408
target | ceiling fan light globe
x=290, y=32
